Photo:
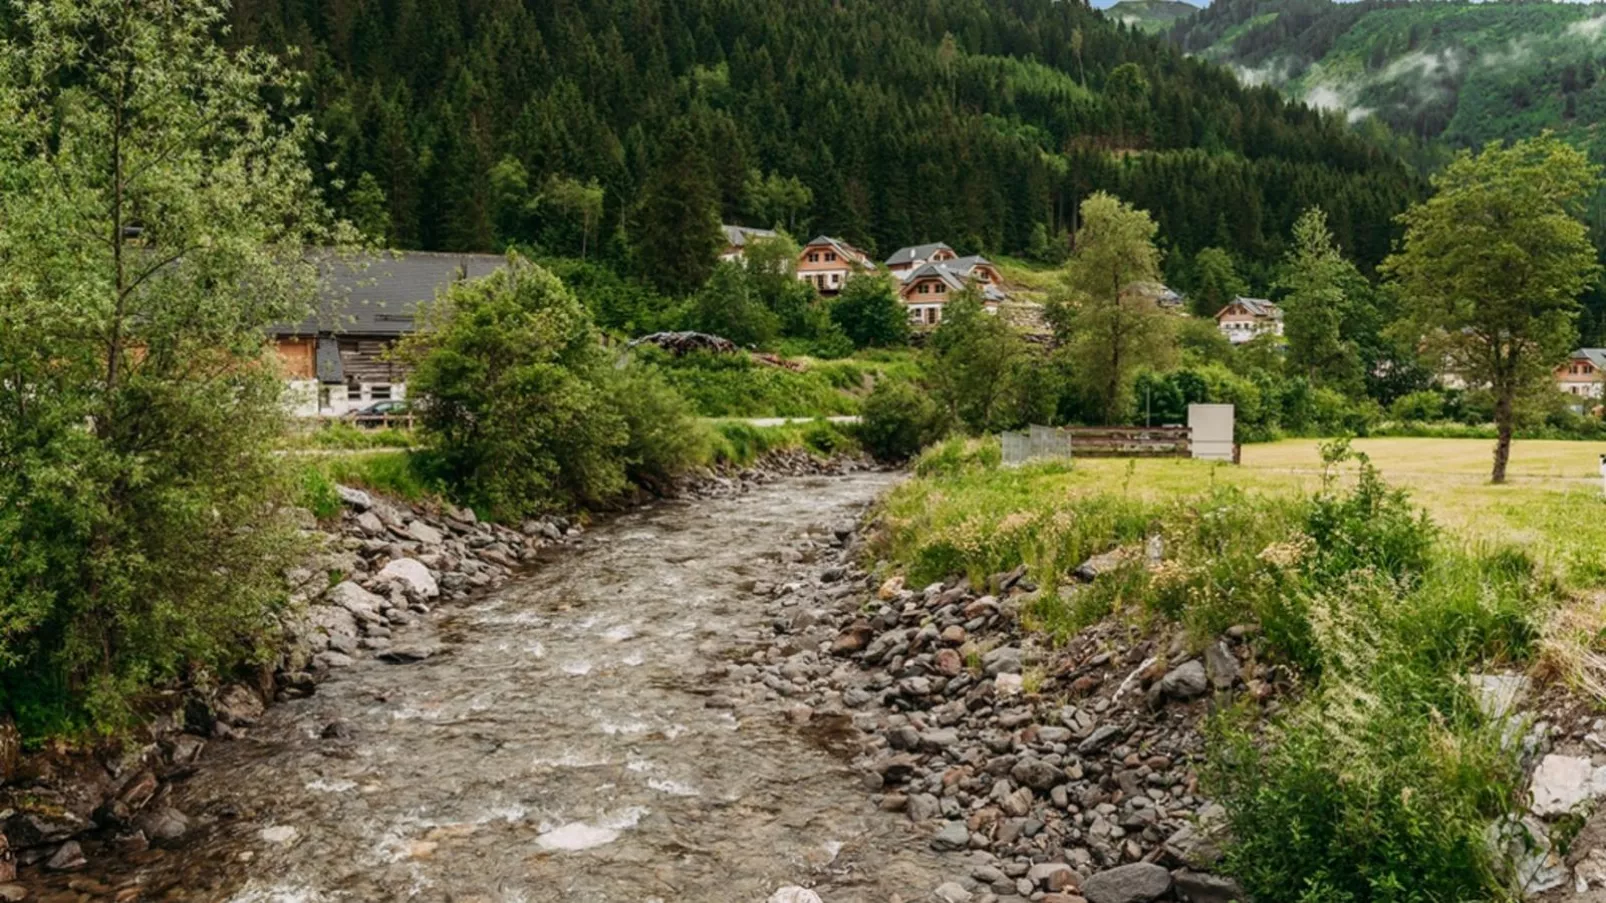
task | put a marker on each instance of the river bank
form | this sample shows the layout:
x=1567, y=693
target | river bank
x=384, y=577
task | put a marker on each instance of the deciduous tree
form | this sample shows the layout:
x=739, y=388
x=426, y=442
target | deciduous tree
x=156, y=205
x=1111, y=332
x=1492, y=265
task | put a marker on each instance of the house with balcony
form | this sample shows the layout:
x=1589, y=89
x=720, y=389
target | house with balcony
x=925, y=289
x=1244, y=319
x=1581, y=376
x=339, y=358
x=826, y=263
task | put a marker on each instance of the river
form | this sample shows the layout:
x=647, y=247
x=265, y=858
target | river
x=576, y=739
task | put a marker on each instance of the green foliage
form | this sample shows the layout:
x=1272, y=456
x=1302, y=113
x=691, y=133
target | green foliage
x=985, y=375
x=1492, y=266
x=1319, y=282
x=153, y=221
x=660, y=444
x=735, y=385
x=869, y=313
x=729, y=306
x=1214, y=282
x=899, y=420
x=515, y=393
x=1111, y=331
x=688, y=111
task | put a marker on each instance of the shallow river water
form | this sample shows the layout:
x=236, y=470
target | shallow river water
x=570, y=743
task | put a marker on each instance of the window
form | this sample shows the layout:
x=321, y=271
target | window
x=379, y=393
x=942, y=288
x=933, y=315
x=834, y=278
x=814, y=257
x=353, y=392
x=830, y=256
x=923, y=289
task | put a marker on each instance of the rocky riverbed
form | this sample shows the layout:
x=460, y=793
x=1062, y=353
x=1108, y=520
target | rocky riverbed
x=702, y=700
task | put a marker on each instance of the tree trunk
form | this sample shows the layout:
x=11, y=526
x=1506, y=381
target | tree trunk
x=1502, y=444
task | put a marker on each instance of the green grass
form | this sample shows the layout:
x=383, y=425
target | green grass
x=739, y=386
x=1376, y=779
x=338, y=435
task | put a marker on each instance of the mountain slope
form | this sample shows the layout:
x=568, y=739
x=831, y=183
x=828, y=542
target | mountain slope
x=975, y=122
x=1150, y=15
x=1465, y=72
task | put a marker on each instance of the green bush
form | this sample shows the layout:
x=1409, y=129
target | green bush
x=898, y=421
x=1418, y=406
x=662, y=438
x=520, y=404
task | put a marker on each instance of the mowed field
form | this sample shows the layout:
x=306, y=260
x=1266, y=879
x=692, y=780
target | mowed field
x=1552, y=504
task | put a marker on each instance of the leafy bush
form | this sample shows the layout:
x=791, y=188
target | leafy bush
x=898, y=421
x=1418, y=406
x=521, y=405
x=869, y=313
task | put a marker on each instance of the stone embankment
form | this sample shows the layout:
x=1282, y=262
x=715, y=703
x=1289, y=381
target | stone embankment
x=1056, y=775
x=1071, y=774
x=379, y=566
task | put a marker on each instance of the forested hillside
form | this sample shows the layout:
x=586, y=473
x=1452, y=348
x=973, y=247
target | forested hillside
x=470, y=125
x=1465, y=72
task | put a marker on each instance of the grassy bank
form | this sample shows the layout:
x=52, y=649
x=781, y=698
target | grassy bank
x=407, y=473
x=1377, y=585
x=736, y=385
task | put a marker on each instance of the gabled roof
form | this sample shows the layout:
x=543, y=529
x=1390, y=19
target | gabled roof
x=1596, y=356
x=738, y=236
x=1255, y=307
x=956, y=273
x=916, y=252
x=379, y=294
x=843, y=248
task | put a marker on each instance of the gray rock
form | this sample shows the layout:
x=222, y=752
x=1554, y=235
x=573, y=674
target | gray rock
x=332, y=620
x=1092, y=568
x=1139, y=882
x=354, y=498
x=1498, y=695
x=13, y=893
x=1221, y=666
x=1052, y=876
x=922, y=806
x=1036, y=774
x=1186, y=681
x=1203, y=887
x=370, y=524
x=1003, y=660
x=164, y=824
x=953, y=836
x=794, y=894
x=363, y=605
x=412, y=574
x=424, y=533
x=952, y=892
x=406, y=653
x=68, y=857
x=1563, y=783
x=1100, y=738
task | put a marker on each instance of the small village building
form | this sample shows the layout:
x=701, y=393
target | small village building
x=906, y=260
x=338, y=359
x=1246, y=318
x=1582, y=374
x=826, y=263
x=925, y=289
x=737, y=238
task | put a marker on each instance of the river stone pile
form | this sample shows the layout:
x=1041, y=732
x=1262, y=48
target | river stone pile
x=1060, y=775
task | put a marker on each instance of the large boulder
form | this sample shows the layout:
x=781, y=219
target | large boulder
x=354, y=498
x=1563, y=783
x=424, y=533
x=362, y=604
x=332, y=620
x=413, y=575
x=1139, y=882
x=237, y=705
x=1186, y=681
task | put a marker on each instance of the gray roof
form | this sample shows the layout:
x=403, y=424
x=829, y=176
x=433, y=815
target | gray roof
x=1596, y=356
x=1259, y=307
x=737, y=236
x=845, y=249
x=379, y=294
x=915, y=252
x=956, y=273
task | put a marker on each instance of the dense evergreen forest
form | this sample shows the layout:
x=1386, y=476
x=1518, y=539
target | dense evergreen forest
x=472, y=125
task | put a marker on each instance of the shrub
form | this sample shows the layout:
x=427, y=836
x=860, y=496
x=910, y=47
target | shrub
x=1418, y=406
x=899, y=420
x=869, y=314
x=662, y=436
x=513, y=388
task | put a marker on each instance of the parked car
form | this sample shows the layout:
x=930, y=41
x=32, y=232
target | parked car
x=394, y=412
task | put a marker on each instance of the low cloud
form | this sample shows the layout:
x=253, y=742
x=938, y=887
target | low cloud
x=1588, y=29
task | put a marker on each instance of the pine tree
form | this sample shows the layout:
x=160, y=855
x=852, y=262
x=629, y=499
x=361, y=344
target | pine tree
x=675, y=230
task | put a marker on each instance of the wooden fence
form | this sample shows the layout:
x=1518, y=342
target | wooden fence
x=1042, y=443
x=1131, y=441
